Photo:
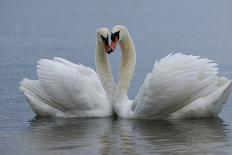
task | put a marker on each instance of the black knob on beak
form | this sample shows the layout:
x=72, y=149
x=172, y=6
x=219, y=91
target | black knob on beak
x=111, y=50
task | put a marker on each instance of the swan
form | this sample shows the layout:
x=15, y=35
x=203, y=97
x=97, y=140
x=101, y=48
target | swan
x=65, y=89
x=179, y=86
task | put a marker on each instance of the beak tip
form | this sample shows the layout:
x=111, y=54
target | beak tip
x=111, y=50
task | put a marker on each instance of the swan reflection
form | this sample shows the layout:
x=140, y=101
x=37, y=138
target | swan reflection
x=118, y=136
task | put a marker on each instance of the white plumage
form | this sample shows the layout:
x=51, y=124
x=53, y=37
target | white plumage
x=175, y=82
x=65, y=89
x=179, y=86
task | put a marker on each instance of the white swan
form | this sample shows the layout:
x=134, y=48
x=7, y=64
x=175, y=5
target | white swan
x=179, y=86
x=65, y=89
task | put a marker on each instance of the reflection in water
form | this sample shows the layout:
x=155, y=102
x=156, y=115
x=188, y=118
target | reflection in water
x=79, y=135
x=181, y=136
x=108, y=135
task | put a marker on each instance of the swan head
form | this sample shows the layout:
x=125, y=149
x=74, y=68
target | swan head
x=103, y=37
x=119, y=32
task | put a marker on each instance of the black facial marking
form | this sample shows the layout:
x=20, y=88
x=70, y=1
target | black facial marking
x=105, y=40
x=115, y=35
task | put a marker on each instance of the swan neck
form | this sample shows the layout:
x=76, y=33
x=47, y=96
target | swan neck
x=121, y=103
x=128, y=60
x=104, y=70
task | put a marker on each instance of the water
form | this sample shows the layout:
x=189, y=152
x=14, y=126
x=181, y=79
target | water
x=31, y=30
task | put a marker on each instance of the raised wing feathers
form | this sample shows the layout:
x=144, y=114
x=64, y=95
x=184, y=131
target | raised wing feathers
x=174, y=82
x=70, y=86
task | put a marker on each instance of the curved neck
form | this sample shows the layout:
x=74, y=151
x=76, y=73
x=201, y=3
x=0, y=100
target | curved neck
x=104, y=70
x=127, y=66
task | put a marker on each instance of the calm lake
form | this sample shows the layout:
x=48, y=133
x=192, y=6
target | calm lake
x=31, y=30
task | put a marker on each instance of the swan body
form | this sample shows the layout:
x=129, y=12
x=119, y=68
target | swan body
x=179, y=86
x=65, y=89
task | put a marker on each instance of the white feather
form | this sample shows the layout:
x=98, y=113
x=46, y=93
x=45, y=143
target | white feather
x=176, y=81
x=66, y=89
x=179, y=86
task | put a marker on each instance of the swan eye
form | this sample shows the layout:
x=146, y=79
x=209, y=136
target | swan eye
x=115, y=35
x=105, y=40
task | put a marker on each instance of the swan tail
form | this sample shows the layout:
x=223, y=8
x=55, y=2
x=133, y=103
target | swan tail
x=209, y=106
x=228, y=89
x=37, y=98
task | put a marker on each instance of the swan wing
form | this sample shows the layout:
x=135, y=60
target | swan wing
x=68, y=86
x=37, y=98
x=209, y=106
x=175, y=81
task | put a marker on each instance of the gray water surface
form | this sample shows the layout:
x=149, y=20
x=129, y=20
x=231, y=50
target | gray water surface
x=31, y=30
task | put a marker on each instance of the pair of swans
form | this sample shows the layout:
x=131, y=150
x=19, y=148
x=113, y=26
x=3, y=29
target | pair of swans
x=179, y=86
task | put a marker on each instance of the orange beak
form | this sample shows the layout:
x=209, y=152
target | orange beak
x=113, y=45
